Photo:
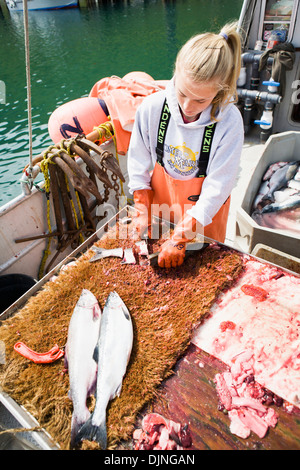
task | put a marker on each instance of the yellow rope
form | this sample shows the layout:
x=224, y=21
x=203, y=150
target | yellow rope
x=16, y=430
x=73, y=208
x=66, y=145
x=108, y=134
x=45, y=169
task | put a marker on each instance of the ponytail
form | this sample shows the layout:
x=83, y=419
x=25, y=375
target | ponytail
x=206, y=57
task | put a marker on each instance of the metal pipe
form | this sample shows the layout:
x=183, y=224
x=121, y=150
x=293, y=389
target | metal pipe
x=250, y=57
x=260, y=96
x=255, y=78
x=251, y=96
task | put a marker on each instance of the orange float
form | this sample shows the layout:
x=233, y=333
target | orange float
x=79, y=116
x=122, y=97
x=112, y=99
x=138, y=76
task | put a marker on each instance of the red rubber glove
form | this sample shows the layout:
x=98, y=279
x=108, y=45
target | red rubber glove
x=172, y=252
x=143, y=199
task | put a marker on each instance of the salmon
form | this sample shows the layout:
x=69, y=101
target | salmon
x=112, y=353
x=83, y=334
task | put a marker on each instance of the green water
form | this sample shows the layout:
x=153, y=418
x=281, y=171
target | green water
x=70, y=50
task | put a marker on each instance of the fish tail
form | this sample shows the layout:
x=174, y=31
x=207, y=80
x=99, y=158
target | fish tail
x=93, y=432
x=100, y=435
x=76, y=424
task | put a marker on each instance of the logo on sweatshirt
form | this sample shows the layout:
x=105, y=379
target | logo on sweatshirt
x=182, y=159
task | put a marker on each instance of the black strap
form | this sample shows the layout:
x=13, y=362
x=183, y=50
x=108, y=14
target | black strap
x=205, y=149
x=162, y=130
x=205, y=146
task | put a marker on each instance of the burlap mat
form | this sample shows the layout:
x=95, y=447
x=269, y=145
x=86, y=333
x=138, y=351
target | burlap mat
x=165, y=305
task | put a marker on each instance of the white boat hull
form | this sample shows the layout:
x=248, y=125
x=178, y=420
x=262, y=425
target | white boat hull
x=17, y=5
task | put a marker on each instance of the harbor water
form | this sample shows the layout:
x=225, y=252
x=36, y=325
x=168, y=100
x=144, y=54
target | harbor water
x=70, y=50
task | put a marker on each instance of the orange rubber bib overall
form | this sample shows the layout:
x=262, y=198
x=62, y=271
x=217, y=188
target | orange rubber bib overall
x=174, y=197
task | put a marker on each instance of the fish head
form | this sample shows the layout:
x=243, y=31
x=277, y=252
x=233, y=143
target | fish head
x=88, y=300
x=114, y=301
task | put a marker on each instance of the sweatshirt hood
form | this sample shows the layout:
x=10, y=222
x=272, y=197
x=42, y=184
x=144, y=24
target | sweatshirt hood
x=204, y=118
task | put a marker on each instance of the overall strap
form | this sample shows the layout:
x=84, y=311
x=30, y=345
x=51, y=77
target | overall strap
x=162, y=130
x=205, y=149
x=205, y=146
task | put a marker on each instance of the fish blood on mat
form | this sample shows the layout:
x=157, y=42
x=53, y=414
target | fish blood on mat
x=112, y=353
x=83, y=335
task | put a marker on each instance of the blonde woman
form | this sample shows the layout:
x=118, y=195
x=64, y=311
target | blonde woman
x=186, y=144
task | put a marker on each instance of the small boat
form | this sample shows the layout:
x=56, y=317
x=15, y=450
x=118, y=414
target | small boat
x=269, y=105
x=26, y=225
x=17, y=5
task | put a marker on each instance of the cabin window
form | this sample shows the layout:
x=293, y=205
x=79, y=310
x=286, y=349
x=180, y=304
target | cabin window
x=279, y=15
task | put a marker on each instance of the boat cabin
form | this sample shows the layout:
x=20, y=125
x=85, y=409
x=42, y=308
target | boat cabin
x=269, y=84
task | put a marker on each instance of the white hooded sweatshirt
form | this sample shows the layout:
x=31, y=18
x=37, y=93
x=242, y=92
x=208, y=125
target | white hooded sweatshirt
x=182, y=148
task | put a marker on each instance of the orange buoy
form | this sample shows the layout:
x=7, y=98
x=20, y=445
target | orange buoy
x=122, y=97
x=79, y=116
x=140, y=76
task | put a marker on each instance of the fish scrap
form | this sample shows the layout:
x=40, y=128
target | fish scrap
x=106, y=253
x=294, y=184
x=255, y=291
x=142, y=247
x=244, y=399
x=127, y=255
x=159, y=433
